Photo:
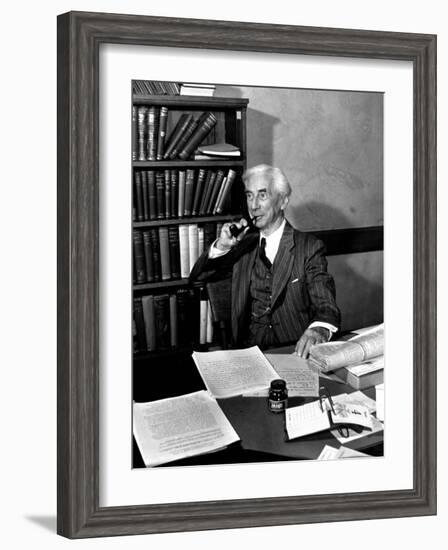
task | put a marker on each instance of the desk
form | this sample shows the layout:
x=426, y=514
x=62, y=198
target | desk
x=262, y=433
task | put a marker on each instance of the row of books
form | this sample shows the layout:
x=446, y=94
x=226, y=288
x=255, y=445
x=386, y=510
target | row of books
x=155, y=87
x=166, y=321
x=166, y=253
x=163, y=194
x=150, y=125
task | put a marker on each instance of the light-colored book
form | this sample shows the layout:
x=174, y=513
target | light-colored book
x=184, y=251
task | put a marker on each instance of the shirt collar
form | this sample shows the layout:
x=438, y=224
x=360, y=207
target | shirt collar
x=274, y=238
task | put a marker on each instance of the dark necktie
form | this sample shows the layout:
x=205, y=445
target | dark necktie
x=262, y=253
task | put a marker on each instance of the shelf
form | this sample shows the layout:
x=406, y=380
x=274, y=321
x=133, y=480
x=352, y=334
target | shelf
x=184, y=221
x=182, y=101
x=161, y=284
x=159, y=164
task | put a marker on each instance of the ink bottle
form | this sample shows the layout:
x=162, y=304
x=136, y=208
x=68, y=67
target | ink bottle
x=278, y=396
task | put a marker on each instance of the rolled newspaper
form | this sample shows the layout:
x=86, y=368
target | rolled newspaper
x=362, y=347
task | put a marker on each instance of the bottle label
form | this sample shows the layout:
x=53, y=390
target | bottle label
x=277, y=406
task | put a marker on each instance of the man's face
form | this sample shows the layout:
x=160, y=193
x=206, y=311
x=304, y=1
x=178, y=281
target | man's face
x=264, y=204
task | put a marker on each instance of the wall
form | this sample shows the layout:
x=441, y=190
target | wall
x=28, y=288
x=330, y=146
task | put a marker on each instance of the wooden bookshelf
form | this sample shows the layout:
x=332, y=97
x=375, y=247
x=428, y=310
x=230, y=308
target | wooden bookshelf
x=230, y=127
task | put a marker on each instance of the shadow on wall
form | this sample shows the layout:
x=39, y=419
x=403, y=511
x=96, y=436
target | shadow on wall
x=358, y=277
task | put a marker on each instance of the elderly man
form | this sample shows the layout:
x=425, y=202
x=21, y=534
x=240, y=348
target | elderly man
x=281, y=290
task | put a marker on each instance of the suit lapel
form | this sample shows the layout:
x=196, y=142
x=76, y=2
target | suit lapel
x=283, y=262
x=241, y=279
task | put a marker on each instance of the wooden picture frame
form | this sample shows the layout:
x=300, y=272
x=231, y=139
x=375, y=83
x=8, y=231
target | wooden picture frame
x=79, y=38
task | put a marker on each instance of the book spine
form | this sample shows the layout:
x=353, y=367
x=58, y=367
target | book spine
x=139, y=257
x=176, y=134
x=198, y=191
x=184, y=251
x=134, y=133
x=142, y=113
x=209, y=337
x=167, y=177
x=182, y=317
x=162, y=320
x=173, y=321
x=197, y=137
x=164, y=253
x=155, y=254
x=186, y=135
x=200, y=240
x=163, y=119
x=150, y=326
x=173, y=240
x=160, y=191
x=140, y=324
x=147, y=247
x=203, y=322
x=214, y=192
x=181, y=203
x=221, y=206
x=218, y=198
x=192, y=245
x=138, y=195
x=153, y=130
x=145, y=199
x=207, y=192
x=218, y=230
x=174, y=193
x=189, y=189
x=209, y=234
x=152, y=196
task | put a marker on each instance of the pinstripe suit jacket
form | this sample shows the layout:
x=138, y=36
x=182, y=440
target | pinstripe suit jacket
x=302, y=289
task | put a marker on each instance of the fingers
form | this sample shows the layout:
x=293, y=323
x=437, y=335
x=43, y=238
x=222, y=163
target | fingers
x=309, y=339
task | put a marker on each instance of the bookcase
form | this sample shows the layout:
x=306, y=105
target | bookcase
x=181, y=198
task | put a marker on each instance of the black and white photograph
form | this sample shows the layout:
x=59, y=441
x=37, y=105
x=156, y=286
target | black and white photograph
x=257, y=301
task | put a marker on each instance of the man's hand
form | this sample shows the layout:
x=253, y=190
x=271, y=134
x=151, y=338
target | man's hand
x=311, y=337
x=226, y=241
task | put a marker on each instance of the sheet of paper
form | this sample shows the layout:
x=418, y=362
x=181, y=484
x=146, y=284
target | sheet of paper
x=377, y=426
x=331, y=453
x=306, y=419
x=348, y=411
x=379, y=392
x=227, y=373
x=367, y=367
x=179, y=427
x=301, y=380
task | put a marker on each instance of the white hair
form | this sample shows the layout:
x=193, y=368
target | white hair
x=273, y=175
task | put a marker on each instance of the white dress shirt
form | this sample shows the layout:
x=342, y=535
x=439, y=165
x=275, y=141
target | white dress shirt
x=272, y=244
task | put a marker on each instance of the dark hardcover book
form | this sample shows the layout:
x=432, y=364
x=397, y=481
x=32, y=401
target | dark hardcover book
x=140, y=325
x=183, y=300
x=165, y=263
x=163, y=119
x=198, y=191
x=138, y=195
x=139, y=257
x=167, y=176
x=176, y=134
x=145, y=196
x=215, y=191
x=152, y=195
x=162, y=320
x=209, y=234
x=147, y=248
x=204, y=128
x=155, y=255
x=134, y=133
x=218, y=230
x=160, y=192
x=174, y=193
x=186, y=135
x=173, y=241
x=173, y=321
x=142, y=113
x=189, y=191
x=153, y=132
x=209, y=185
x=224, y=198
x=149, y=319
